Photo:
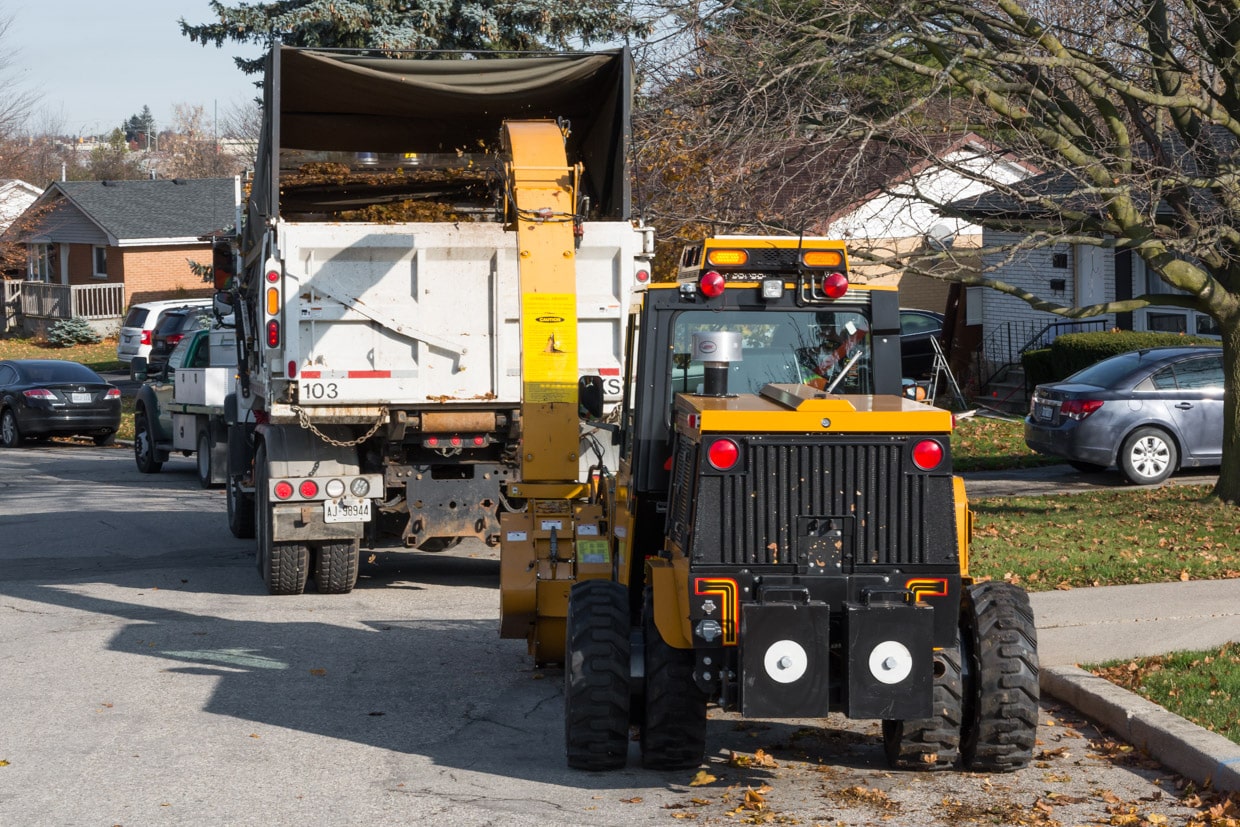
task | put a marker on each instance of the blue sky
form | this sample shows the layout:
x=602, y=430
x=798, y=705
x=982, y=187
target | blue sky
x=94, y=63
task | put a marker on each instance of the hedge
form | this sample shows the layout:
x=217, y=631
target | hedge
x=1075, y=351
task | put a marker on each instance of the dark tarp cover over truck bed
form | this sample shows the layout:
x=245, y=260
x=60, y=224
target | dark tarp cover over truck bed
x=350, y=101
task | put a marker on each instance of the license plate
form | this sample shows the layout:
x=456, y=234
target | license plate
x=1046, y=412
x=346, y=510
x=79, y=398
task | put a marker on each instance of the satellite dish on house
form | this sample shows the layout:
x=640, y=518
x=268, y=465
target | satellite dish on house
x=941, y=236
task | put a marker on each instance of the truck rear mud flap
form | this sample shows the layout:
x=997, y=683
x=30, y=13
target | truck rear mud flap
x=303, y=522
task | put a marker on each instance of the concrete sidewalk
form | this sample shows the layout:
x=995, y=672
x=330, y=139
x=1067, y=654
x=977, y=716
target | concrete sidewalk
x=1114, y=622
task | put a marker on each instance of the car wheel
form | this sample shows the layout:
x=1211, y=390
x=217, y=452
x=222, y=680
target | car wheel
x=1086, y=467
x=144, y=444
x=1148, y=456
x=204, y=459
x=10, y=434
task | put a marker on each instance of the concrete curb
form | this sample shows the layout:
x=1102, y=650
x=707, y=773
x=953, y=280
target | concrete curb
x=1196, y=753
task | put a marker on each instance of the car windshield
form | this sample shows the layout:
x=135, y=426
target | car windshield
x=829, y=349
x=60, y=372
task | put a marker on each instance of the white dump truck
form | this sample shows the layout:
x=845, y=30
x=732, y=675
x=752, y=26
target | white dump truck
x=378, y=301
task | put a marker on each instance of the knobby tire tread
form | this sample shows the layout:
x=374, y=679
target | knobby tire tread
x=1000, y=724
x=931, y=743
x=596, y=676
x=673, y=733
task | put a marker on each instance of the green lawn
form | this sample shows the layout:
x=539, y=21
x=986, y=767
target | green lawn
x=1203, y=687
x=97, y=357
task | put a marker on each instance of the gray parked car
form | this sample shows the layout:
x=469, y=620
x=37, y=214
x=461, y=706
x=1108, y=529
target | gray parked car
x=1149, y=411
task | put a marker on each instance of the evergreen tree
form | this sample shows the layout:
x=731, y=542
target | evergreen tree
x=478, y=25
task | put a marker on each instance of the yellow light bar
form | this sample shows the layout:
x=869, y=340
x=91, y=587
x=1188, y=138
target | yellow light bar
x=727, y=258
x=823, y=258
x=273, y=301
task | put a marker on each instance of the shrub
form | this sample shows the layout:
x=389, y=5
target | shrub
x=1076, y=351
x=75, y=331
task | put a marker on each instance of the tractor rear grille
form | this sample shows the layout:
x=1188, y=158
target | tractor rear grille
x=896, y=514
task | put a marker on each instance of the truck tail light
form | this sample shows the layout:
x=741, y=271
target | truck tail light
x=308, y=489
x=283, y=490
x=273, y=333
x=273, y=301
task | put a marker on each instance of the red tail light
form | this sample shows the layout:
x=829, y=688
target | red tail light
x=927, y=454
x=723, y=454
x=38, y=393
x=114, y=393
x=284, y=490
x=146, y=337
x=711, y=284
x=835, y=285
x=308, y=489
x=1079, y=408
x=175, y=337
x=273, y=333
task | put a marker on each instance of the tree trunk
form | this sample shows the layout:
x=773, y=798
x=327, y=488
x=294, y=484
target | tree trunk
x=1228, y=487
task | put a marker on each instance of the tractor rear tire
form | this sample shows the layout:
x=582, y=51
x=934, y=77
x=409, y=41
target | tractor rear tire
x=931, y=743
x=1001, y=678
x=335, y=570
x=596, y=676
x=674, y=721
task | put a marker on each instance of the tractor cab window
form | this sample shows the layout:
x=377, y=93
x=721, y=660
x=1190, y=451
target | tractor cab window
x=828, y=349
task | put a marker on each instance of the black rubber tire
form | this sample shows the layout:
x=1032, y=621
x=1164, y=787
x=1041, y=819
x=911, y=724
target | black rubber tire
x=144, y=454
x=673, y=734
x=202, y=459
x=240, y=504
x=285, y=567
x=104, y=439
x=931, y=743
x=1148, y=456
x=1001, y=678
x=1086, y=467
x=596, y=676
x=10, y=433
x=335, y=566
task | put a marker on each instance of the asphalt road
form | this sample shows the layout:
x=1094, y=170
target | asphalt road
x=146, y=679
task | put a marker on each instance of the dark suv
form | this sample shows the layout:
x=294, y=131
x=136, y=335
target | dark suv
x=173, y=327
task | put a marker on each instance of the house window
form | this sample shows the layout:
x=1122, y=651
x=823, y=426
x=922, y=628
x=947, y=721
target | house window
x=39, y=263
x=1168, y=319
x=101, y=262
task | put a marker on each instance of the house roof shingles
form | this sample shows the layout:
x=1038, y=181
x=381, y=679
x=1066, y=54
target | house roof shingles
x=151, y=209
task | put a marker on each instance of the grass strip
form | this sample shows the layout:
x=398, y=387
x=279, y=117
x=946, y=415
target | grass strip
x=1202, y=686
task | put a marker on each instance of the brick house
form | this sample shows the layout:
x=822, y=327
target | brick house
x=126, y=241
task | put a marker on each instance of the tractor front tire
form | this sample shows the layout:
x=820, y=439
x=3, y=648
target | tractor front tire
x=596, y=676
x=1001, y=692
x=931, y=743
x=673, y=733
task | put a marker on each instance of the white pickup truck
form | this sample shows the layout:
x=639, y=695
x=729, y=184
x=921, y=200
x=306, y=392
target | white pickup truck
x=181, y=407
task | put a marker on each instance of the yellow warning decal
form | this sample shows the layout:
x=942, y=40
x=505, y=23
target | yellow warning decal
x=549, y=339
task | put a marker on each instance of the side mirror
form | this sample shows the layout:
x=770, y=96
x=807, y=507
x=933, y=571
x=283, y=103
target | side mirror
x=138, y=369
x=590, y=397
x=222, y=307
